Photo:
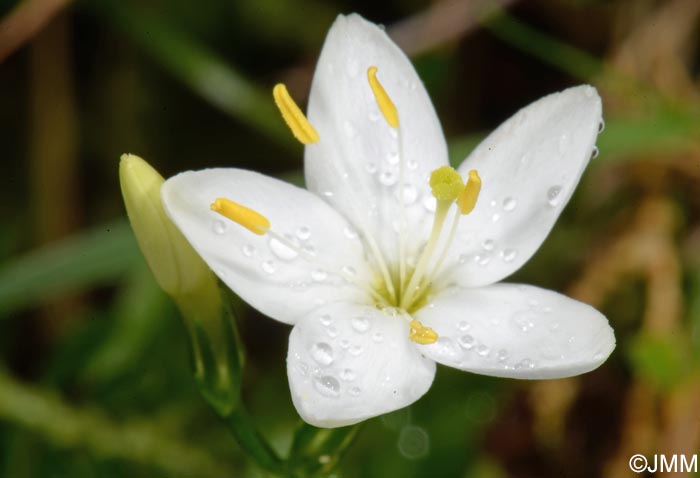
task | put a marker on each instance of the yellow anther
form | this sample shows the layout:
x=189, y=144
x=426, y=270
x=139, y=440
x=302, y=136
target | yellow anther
x=246, y=217
x=386, y=106
x=467, y=198
x=446, y=183
x=292, y=115
x=421, y=334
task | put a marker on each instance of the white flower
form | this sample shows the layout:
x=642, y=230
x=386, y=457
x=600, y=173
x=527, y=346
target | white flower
x=350, y=262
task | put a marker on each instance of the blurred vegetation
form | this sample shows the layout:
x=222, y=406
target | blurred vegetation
x=94, y=373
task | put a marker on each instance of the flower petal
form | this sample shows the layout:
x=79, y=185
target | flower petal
x=275, y=279
x=349, y=362
x=529, y=167
x=518, y=331
x=356, y=165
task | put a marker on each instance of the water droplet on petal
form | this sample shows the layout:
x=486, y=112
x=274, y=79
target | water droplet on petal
x=393, y=157
x=332, y=331
x=488, y=244
x=350, y=130
x=563, y=143
x=348, y=375
x=412, y=164
x=303, y=233
x=509, y=204
x=553, y=196
x=268, y=267
x=387, y=178
x=502, y=355
x=356, y=350
x=429, y=203
x=378, y=337
x=350, y=233
x=482, y=350
x=371, y=168
x=354, y=391
x=319, y=275
x=322, y=353
x=248, y=250
x=325, y=320
x=360, y=324
x=525, y=363
x=466, y=342
x=508, y=255
x=327, y=385
x=219, y=227
x=410, y=194
x=349, y=271
x=281, y=250
x=464, y=326
x=496, y=217
x=344, y=344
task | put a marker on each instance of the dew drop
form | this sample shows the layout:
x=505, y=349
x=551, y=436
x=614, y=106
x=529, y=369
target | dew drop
x=464, y=326
x=410, y=194
x=325, y=320
x=332, y=331
x=219, y=227
x=248, y=250
x=356, y=350
x=360, y=324
x=482, y=350
x=378, y=337
x=488, y=244
x=350, y=233
x=327, y=385
x=344, y=344
x=553, y=196
x=563, y=143
x=387, y=178
x=412, y=164
x=349, y=271
x=303, y=233
x=463, y=259
x=393, y=157
x=348, y=375
x=281, y=250
x=371, y=168
x=509, y=204
x=508, y=255
x=525, y=363
x=268, y=267
x=429, y=203
x=322, y=353
x=354, y=391
x=594, y=152
x=502, y=355
x=466, y=342
x=495, y=218
x=319, y=275
x=350, y=130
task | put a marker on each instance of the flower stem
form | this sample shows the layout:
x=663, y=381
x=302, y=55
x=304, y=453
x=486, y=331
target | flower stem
x=252, y=442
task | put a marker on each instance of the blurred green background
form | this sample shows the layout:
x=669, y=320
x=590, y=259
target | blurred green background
x=94, y=373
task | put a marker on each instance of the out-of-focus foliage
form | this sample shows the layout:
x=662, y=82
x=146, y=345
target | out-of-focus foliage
x=94, y=373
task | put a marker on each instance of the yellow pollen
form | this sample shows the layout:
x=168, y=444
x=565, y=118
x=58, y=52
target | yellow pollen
x=468, y=196
x=446, y=183
x=292, y=115
x=421, y=334
x=386, y=106
x=246, y=217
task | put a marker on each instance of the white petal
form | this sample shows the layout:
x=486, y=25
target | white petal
x=529, y=166
x=349, y=362
x=275, y=279
x=518, y=331
x=355, y=166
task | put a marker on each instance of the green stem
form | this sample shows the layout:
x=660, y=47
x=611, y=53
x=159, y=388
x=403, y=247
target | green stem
x=252, y=442
x=318, y=450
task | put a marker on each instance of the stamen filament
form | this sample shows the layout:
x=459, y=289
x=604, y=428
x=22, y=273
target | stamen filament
x=402, y=214
x=440, y=213
x=292, y=115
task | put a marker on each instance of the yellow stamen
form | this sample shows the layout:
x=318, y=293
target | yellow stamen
x=386, y=106
x=421, y=334
x=446, y=183
x=246, y=217
x=468, y=196
x=292, y=115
